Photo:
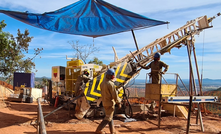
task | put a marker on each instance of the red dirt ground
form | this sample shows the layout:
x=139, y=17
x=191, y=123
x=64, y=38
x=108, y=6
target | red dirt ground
x=16, y=118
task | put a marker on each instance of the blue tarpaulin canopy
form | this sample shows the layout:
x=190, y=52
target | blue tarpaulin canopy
x=92, y=18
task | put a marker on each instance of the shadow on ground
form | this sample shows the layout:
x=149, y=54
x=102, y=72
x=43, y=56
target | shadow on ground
x=10, y=119
x=63, y=132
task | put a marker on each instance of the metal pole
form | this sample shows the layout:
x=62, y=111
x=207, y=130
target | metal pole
x=41, y=118
x=191, y=69
x=184, y=85
x=189, y=115
x=194, y=84
x=159, y=111
x=200, y=115
x=135, y=41
x=177, y=83
x=197, y=115
x=181, y=91
x=190, y=77
x=197, y=70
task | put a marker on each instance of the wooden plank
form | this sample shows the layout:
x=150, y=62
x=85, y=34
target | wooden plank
x=169, y=40
x=147, y=52
x=157, y=47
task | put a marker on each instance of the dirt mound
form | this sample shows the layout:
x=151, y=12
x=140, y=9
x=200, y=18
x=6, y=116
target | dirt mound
x=6, y=85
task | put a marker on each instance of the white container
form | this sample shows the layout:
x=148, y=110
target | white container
x=16, y=96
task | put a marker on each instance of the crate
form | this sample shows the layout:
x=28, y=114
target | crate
x=153, y=91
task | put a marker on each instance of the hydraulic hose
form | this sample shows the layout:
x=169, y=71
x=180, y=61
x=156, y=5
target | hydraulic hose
x=125, y=100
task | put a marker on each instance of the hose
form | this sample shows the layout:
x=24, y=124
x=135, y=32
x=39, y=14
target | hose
x=128, y=114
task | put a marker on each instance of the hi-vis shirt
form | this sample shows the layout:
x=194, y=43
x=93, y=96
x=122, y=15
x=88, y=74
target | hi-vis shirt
x=80, y=81
x=156, y=66
x=156, y=69
x=108, y=93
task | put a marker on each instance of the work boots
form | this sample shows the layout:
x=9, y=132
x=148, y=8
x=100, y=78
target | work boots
x=101, y=126
x=111, y=127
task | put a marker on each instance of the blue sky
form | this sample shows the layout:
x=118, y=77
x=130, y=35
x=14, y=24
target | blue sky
x=56, y=46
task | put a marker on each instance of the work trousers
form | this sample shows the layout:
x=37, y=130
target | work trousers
x=155, y=78
x=109, y=112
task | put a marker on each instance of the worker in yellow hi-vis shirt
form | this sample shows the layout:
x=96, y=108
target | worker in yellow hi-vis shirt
x=109, y=96
x=156, y=68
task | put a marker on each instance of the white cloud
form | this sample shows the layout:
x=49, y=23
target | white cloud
x=139, y=6
x=176, y=12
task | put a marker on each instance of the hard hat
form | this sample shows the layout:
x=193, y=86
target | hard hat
x=86, y=72
x=110, y=71
x=156, y=55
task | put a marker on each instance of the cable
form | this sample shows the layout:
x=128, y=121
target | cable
x=131, y=84
x=128, y=114
x=202, y=58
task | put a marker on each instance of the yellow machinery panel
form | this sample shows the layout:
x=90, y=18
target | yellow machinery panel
x=153, y=91
x=71, y=77
x=72, y=71
x=75, y=63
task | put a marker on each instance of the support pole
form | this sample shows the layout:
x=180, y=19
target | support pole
x=174, y=110
x=191, y=69
x=40, y=122
x=184, y=85
x=190, y=77
x=200, y=116
x=192, y=81
x=177, y=82
x=197, y=70
x=159, y=111
x=189, y=115
x=198, y=75
x=160, y=102
x=135, y=41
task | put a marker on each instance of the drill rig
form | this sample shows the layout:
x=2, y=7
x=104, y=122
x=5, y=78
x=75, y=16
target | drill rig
x=127, y=68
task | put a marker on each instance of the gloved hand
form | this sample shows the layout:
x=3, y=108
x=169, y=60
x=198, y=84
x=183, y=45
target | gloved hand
x=162, y=72
x=119, y=105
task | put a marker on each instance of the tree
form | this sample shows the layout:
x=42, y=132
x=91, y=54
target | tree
x=45, y=81
x=96, y=61
x=83, y=51
x=38, y=86
x=12, y=49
